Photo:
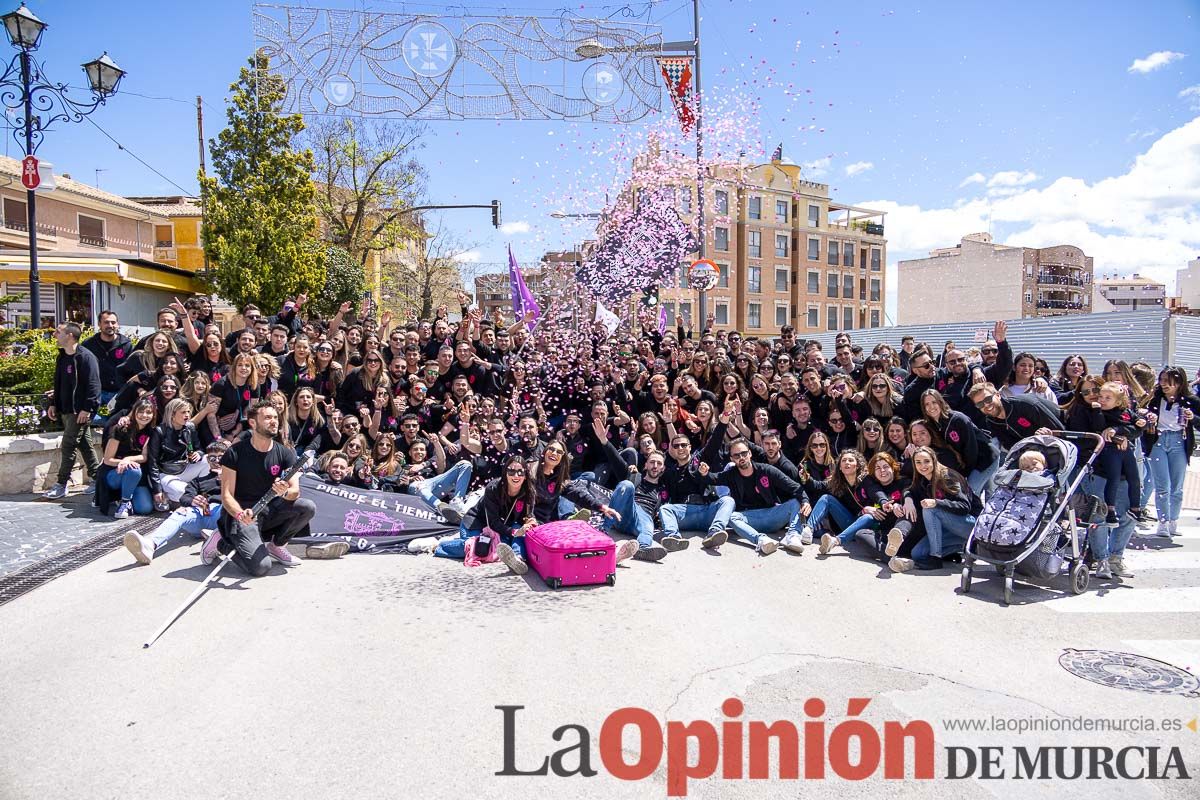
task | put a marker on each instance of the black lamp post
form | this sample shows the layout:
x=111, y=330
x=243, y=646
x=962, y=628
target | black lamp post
x=38, y=104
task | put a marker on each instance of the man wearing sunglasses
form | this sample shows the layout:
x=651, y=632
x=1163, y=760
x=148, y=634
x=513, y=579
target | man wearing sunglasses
x=765, y=500
x=1011, y=419
x=958, y=381
x=692, y=505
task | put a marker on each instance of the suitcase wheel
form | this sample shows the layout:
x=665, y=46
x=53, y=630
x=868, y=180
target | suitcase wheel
x=611, y=579
x=554, y=583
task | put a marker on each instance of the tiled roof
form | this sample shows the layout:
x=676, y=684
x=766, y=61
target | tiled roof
x=12, y=167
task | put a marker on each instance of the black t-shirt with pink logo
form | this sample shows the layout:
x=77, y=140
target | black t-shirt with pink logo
x=256, y=471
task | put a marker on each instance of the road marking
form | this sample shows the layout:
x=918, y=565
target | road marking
x=1142, y=560
x=1183, y=653
x=1129, y=599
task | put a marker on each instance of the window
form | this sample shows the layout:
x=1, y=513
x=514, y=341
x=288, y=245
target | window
x=754, y=315
x=781, y=315
x=669, y=308
x=722, y=204
x=833, y=254
x=754, y=208
x=848, y=254
x=847, y=318
x=721, y=238
x=723, y=276
x=814, y=216
x=1028, y=297
x=721, y=313
x=781, y=279
x=163, y=236
x=831, y=319
x=781, y=210
x=91, y=231
x=874, y=319
x=754, y=244
x=754, y=279
x=781, y=245
x=814, y=249
x=831, y=286
x=814, y=282
x=814, y=316
x=875, y=257
x=874, y=290
x=685, y=311
x=16, y=215
x=848, y=286
x=685, y=199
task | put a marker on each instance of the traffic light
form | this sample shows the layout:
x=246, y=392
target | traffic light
x=496, y=214
x=650, y=296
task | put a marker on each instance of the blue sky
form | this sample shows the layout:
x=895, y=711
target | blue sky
x=1040, y=103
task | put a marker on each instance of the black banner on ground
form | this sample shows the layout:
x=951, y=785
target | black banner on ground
x=370, y=521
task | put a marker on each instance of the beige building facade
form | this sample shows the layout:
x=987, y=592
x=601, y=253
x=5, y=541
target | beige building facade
x=787, y=254
x=978, y=279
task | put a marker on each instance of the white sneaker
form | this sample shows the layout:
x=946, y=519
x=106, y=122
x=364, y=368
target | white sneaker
x=766, y=545
x=1174, y=528
x=512, y=560
x=900, y=564
x=459, y=505
x=281, y=555
x=828, y=542
x=56, y=492
x=806, y=535
x=1164, y=530
x=425, y=544
x=626, y=550
x=140, y=546
x=794, y=542
x=327, y=550
x=894, y=539
x=124, y=509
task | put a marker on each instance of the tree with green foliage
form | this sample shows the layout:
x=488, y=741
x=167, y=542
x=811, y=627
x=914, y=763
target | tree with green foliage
x=260, y=223
x=344, y=281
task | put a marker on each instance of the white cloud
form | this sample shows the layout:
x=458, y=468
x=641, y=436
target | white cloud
x=817, y=168
x=1146, y=219
x=510, y=228
x=857, y=167
x=1192, y=95
x=1154, y=61
x=974, y=177
x=469, y=257
x=1140, y=134
x=1012, y=178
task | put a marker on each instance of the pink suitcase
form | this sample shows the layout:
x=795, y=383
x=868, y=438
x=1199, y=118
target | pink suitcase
x=571, y=553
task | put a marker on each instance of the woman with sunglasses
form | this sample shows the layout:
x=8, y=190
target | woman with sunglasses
x=212, y=358
x=843, y=435
x=506, y=511
x=327, y=378
x=819, y=459
x=552, y=480
x=879, y=401
x=870, y=438
x=745, y=367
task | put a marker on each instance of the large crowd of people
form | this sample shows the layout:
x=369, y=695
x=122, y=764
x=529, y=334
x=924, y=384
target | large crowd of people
x=502, y=427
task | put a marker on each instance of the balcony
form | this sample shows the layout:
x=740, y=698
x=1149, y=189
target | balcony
x=1063, y=305
x=93, y=241
x=1052, y=279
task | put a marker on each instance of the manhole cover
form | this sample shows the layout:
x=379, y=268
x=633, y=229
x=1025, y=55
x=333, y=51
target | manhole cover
x=1129, y=671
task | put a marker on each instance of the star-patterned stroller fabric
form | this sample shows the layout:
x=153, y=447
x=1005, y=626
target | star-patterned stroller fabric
x=1014, y=510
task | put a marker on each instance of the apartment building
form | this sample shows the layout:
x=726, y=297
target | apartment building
x=1133, y=293
x=979, y=279
x=787, y=254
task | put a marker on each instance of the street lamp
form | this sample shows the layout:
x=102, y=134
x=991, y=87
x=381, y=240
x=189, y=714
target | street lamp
x=593, y=48
x=37, y=104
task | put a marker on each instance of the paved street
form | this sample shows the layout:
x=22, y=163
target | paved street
x=377, y=676
x=33, y=529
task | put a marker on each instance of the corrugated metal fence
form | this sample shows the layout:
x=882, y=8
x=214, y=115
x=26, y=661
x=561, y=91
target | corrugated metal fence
x=1152, y=336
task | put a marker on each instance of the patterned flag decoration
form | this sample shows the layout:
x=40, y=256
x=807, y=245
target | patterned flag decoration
x=662, y=319
x=677, y=72
x=778, y=154
x=522, y=299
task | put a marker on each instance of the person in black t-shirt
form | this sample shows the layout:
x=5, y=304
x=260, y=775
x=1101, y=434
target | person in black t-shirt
x=253, y=466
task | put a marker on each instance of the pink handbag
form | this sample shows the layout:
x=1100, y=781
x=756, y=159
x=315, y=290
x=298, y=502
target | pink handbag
x=472, y=560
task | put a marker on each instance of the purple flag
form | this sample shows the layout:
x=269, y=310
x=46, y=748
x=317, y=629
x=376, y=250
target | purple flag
x=662, y=319
x=522, y=298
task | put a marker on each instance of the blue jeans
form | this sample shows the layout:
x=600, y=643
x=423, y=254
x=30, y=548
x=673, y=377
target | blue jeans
x=186, y=518
x=1147, y=478
x=753, y=524
x=712, y=517
x=634, y=519
x=979, y=479
x=945, y=533
x=843, y=519
x=565, y=507
x=127, y=483
x=457, y=480
x=1106, y=541
x=457, y=548
x=1168, y=464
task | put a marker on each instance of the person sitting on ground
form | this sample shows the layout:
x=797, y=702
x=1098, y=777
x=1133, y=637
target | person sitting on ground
x=124, y=455
x=174, y=456
x=765, y=500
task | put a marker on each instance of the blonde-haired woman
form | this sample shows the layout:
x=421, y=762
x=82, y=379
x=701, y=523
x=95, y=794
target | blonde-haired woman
x=175, y=455
x=236, y=391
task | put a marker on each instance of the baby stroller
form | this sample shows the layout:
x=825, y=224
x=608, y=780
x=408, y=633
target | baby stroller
x=1031, y=523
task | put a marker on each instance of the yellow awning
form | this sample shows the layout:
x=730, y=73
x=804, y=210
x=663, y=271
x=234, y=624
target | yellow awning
x=161, y=279
x=60, y=269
